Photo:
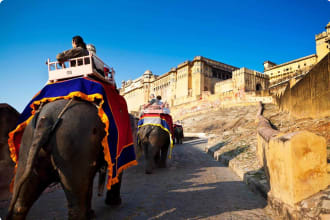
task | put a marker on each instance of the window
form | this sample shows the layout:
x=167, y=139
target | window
x=214, y=74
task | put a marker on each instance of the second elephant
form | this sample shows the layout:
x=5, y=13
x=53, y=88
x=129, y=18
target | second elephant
x=154, y=142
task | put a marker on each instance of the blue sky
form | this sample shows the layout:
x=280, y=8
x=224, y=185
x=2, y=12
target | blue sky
x=133, y=36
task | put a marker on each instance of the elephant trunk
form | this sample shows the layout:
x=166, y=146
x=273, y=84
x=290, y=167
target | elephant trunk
x=40, y=138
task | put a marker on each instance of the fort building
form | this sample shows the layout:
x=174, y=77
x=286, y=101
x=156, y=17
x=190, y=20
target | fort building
x=180, y=84
x=243, y=80
x=189, y=80
x=299, y=67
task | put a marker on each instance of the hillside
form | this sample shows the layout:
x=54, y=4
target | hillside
x=235, y=129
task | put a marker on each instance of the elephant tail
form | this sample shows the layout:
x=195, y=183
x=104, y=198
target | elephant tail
x=40, y=138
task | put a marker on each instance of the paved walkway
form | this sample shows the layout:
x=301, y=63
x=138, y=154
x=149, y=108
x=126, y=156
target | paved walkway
x=193, y=186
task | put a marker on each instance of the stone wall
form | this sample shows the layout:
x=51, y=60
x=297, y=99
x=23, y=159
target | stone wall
x=297, y=170
x=310, y=96
x=135, y=98
x=224, y=86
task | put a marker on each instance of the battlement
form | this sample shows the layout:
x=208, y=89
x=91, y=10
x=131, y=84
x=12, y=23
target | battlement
x=249, y=71
x=321, y=35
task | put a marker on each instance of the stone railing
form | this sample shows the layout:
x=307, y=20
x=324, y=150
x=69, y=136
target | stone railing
x=295, y=164
x=265, y=132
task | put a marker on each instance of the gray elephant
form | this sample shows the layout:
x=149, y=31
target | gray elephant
x=8, y=119
x=154, y=142
x=178, y=134
x=69, y=153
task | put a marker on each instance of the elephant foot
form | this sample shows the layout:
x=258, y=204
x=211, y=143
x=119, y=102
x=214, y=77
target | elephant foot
x=91, y=214
x=148, y=172
x=112, y=200
x=17, y=214
x=162, y=165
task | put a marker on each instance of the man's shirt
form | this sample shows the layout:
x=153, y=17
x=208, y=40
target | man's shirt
x=72, y=53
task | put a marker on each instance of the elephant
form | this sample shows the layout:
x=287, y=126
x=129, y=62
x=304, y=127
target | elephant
x=154, y=142
x=67, y=151
x=178, y=134
x=8, y=119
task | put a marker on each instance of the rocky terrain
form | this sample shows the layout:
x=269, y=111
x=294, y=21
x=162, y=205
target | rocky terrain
x=233, y=140
x=235, y=127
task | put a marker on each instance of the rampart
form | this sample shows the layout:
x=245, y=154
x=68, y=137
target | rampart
x=309, y=97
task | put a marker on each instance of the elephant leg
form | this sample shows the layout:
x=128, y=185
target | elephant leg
x=157, y=157
x=113, y=195
x=181, y=137
x=163, y=156
x=149, y=156
x=78, y=188
x=29, y=193
x=91, y=212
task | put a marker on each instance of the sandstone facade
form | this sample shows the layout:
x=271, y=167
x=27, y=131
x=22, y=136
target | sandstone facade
x=300, y=66
x=190, y=81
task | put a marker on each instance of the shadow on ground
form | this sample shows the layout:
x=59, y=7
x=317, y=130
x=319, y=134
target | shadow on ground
x=193, y=186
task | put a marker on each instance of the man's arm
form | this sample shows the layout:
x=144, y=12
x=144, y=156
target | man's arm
x=152, y=101
x=68, y=54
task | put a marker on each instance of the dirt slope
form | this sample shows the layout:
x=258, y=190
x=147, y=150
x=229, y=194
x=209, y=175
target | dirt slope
x=237, y=128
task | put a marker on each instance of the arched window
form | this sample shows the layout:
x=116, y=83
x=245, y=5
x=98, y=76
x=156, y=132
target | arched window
x=258, y=87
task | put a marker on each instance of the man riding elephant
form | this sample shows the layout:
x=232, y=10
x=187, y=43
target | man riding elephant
x=79, y=49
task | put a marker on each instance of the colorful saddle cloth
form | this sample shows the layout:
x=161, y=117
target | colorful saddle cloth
x=118, y=142
x=164, y=121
